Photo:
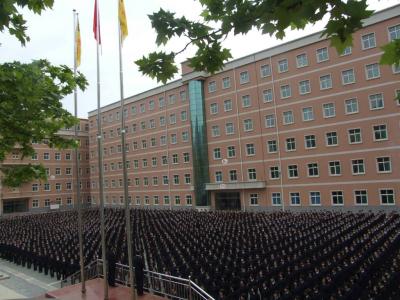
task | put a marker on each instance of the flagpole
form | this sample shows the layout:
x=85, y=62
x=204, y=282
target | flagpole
x=100, y=157
x=78, y=192
x=124, y=167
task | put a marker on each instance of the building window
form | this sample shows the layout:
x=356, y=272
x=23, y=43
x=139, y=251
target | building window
x=360, y=197
x=171, y=99
x=394, y=32
x=272, y=146
x=248, y=125
x=155, y=180
x=244, y=77
x=387, y=196
x=68, y=171
x=383, y=164
x=218, y=176
x=46, y=156
x=58, y=171
x=308, y=114
x=186, y=157
x=172, y=119
x=217, y=153
x=231, y=151
x=325, y=82
x=310, y=141
x=183, y=96
x=152, y=124
x=176, y=179
x=372, y=71
x=174, y=158
x=215, y=131
x=267, y=95
x=288, y=117
x=270, y=121
x=293, y=171
x=226, y=82
x=294, y=198
x=133, y=110
x=322, y=54
x=58, y=187
x=301, y=60
x=313, y=170
x=185, y=136
x=380, y=132
x=35, y=156
x=35, y=187
x=265, y=71
x=276, y=199
x=337, y=197
x=334, y=168
x=253, y=199
x=246, y=101
x=212, y=86
x=315, y=198
x=290, y=144
x=57, y=156
x=174, y=139
x=274, y=172
x=304, y=87
x=396, y=69
x=165, y=180
x=69, y=200
x=346, y=51
x=35, y=203
x=188, y=179
x=227, y=105
x=188, y=199
x=162, y=121
x=329, y=110
x=375, y=101
x=183, y=115
x=177, y=200
x=232, y=175
x=286, y=91
x=358, y=166
x=154, y=161
x=229, y=128
x=252, y=174
x=348, y=76
x=283, y=65
x=368, y=41
x=161, y=102
x=47, y=187
x=46, y=202
x=250, y=149
x=213, y=108
x=351, y=106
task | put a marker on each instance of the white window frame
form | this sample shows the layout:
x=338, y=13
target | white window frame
x=377, y=165
x=327, y=87
x=287, y=89
x=374, y=99
x=347, y=112
x=385, y=189
x=244, y=77
x=319, y=60
x=283, y=65
x=367, y=71
x=344, y=75
x=300, y=62
x=363, y=47
x=355, y=197
x=307, y=86
x=329, y=109
x=310, y=197
x=333, y=196
x=363, y=164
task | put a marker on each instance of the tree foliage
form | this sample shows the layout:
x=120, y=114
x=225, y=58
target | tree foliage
x=12, y=20
x=31, y=109
x=223, y=17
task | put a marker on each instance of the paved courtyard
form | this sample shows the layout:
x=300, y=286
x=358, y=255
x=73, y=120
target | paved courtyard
x=18, y=282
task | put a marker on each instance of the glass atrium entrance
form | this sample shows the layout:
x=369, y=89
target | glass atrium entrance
x=227, y=201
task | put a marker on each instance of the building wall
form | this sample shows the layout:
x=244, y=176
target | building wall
x=334, y=125
x=60, y=165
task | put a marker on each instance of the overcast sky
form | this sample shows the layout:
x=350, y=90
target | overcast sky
x=52, y=38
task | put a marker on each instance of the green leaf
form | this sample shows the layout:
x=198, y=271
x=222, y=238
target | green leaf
x=391, y=55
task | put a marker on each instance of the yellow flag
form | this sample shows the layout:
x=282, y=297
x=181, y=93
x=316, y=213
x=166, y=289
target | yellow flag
x=78, y=45
x=122, y=20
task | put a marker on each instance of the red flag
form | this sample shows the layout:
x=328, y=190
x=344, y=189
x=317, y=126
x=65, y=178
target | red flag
x=96, y=23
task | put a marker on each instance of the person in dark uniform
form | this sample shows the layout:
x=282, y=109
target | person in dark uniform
x=111, y=260
x=138, y=264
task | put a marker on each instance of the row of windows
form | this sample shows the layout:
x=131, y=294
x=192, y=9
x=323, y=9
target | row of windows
x=47, y=202
x=153, y=162
x=351, y=106
x=142, y=107
x=154, y=200
x=150, y=124
x=383, y=165
x=380, y=133
x=58, y=186
x=57, y=156
x=360, y=197
x=146, y=181
x=368, y=41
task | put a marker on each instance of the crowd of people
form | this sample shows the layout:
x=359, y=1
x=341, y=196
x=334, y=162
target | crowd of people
x=231, y=255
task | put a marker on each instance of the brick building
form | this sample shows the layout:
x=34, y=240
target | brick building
x=59, y=190
x=297, y=125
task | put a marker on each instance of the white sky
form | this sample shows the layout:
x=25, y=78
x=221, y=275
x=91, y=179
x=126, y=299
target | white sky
x=52, y=38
